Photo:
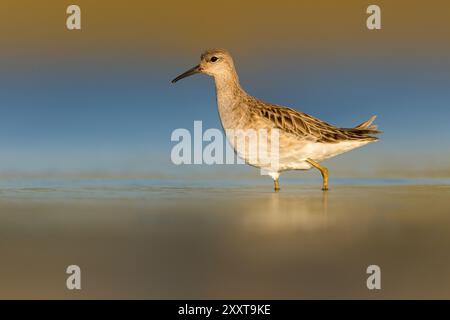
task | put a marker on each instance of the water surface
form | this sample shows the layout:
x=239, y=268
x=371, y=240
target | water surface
x=155, y=239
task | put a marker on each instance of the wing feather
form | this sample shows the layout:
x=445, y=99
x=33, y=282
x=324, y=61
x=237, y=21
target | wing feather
x=306, y=126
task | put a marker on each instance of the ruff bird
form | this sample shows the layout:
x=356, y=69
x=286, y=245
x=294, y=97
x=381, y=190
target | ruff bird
x=303, y=140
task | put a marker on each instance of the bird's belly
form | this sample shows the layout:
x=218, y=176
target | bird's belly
x=295, y=154
x=292, y=152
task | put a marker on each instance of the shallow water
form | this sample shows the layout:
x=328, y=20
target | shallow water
x=142, y=239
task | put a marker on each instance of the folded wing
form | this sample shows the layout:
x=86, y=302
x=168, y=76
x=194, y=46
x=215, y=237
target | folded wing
x=306, y=126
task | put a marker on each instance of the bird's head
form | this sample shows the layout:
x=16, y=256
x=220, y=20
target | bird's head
x=215, y=62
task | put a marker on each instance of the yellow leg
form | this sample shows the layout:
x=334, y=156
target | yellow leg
x=323, y=171
x=276, y=184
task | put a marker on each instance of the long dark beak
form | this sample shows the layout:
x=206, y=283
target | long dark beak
x=188, y=73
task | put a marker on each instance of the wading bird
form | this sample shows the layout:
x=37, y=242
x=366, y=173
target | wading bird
x=303, y=141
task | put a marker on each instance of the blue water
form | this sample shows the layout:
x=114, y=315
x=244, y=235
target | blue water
x=68, y=188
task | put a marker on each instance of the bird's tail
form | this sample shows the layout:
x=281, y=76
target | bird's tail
x=367, y=125
x=364, y=131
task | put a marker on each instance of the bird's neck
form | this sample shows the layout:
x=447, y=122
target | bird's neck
x=228, y=91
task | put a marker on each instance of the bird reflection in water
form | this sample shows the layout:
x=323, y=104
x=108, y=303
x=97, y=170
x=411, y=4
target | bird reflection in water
x=279, y=212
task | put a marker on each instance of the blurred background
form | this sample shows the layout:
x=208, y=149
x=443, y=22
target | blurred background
x=85, y=171
x=99, y=102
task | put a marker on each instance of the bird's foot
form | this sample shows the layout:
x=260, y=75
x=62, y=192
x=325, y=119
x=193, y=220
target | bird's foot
x=276, y=186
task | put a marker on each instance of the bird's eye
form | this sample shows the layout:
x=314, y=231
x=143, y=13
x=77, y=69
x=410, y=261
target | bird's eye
x=214, y=59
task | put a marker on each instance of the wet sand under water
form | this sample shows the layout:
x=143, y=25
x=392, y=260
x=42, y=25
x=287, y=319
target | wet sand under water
x=240, y=243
